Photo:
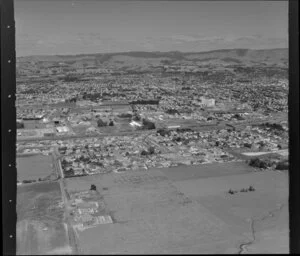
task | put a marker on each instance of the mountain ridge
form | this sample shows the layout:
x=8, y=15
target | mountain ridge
x=155, y=52
x=147, y=60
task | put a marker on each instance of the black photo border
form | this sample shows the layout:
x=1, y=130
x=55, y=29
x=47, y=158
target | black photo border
x=293, y=116
x=8, y=127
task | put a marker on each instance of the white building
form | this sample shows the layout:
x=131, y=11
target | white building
x=62, y=129
x=134, y=123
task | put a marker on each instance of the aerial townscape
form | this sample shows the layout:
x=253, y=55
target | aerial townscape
x=152, y=152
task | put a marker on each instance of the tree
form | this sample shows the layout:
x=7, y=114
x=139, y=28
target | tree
x=251, y=188
x=247, y=145
x=136, y=117
x=144, y=153
x=231, y=191
x=101, y=123
x=148, y=124
x=151, y=150
x=118, y=163
x=69, y=173
x=125, y=115
x=93, y=187
x=111, y=123
x=64, y=162
x=178, y=139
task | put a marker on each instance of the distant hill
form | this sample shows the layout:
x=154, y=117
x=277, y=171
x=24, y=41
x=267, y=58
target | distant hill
x=144, y=60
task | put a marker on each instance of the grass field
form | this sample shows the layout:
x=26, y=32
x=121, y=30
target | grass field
x=150, y=216
x=40, y=219
x=34, y=167
x=187, y=209
x=266, y=207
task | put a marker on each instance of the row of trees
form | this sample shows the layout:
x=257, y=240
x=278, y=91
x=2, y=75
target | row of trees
x=144, y=102
x=32, y=181
x=172, y=111
x=273, y=126
x=125, y=115
x=265, y=163
x=163, y=131
x=71, y=78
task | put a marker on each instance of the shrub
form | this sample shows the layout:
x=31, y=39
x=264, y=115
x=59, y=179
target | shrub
x=283, y=165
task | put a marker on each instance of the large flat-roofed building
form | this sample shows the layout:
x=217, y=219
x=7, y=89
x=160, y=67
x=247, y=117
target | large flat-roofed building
x=173, y=126
x=62, y=129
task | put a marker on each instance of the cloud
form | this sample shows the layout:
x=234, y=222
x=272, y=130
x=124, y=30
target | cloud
x=229, y=40
x=183, y=38
x=148, y=46
x=278, y=40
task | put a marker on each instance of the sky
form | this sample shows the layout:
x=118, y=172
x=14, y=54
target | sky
x=50, y=27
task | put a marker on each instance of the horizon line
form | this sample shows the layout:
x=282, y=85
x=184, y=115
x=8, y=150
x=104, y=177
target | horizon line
x=183, y=52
